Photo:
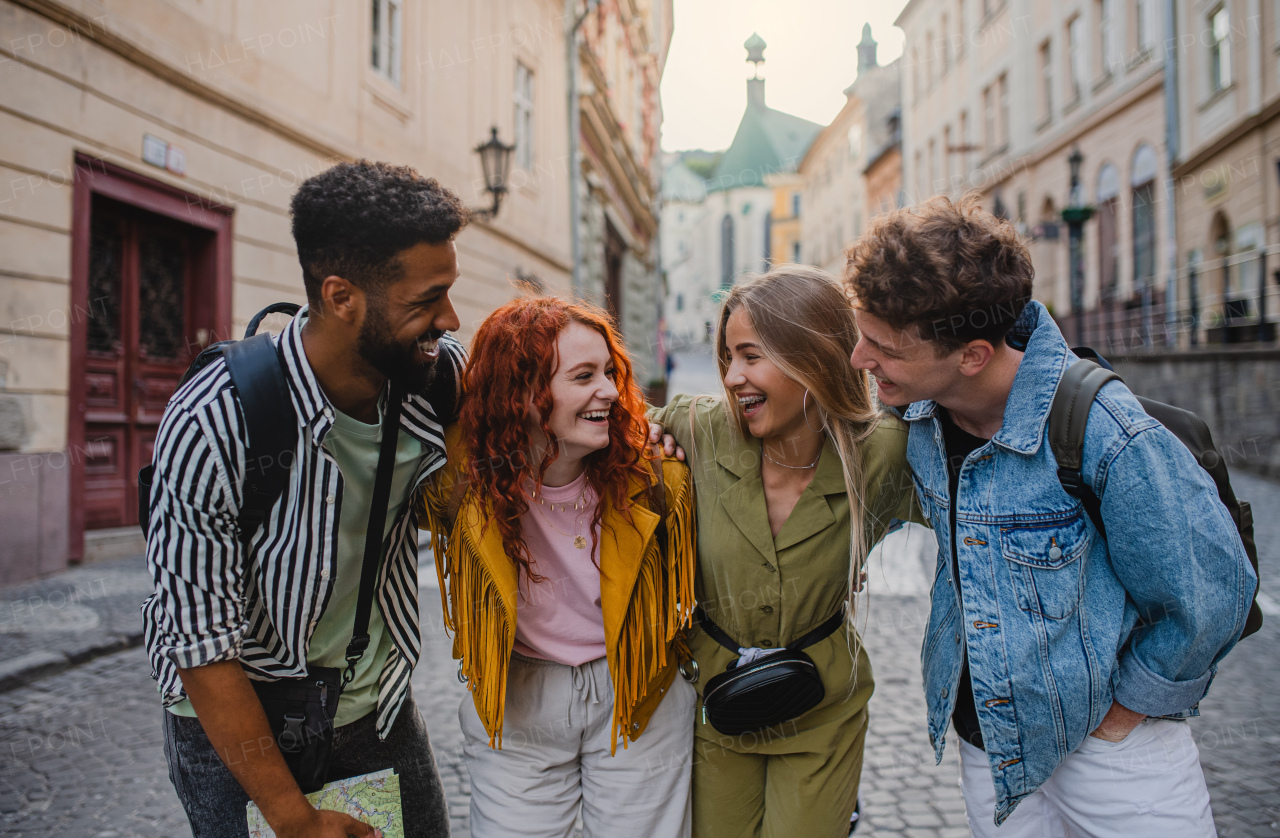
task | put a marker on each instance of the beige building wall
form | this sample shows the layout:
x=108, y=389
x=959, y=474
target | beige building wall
x=1227, y=179
x=835, y=189
x=257, y=96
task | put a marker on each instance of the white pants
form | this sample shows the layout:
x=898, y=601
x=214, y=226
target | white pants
x=1150, y=785
x=555, y=756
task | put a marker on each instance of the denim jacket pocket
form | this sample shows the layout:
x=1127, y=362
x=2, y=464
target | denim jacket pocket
x=1044, y=561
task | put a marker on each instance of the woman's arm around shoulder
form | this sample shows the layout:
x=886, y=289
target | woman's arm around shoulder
x=891, y=493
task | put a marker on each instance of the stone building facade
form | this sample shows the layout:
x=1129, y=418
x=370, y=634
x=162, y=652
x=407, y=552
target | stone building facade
x=998, y=95
x=834, y=169
x=1227, y=175
x=148, y=153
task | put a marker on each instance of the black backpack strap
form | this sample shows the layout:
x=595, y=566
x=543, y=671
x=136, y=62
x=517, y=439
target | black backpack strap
x=257, y=373
x=373, y=535
x=290, y=309
x=1068, y=417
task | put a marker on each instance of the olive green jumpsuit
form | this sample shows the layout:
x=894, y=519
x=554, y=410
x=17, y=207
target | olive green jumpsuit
x=801, y=777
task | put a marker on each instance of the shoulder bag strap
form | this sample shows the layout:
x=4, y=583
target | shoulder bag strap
x=373, y=535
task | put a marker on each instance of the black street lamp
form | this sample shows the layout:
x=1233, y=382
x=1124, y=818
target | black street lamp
x=1075, y=214
x=495, y=160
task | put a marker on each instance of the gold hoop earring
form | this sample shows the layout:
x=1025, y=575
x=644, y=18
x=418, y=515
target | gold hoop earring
x=804, y=407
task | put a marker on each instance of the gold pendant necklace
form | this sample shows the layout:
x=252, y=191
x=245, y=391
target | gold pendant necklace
x=579, y=540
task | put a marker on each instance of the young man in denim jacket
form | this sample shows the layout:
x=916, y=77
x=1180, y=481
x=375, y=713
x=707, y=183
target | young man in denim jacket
x=1058, y=656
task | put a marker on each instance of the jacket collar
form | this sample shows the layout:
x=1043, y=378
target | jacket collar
x=1027, y=411
x=743, y=501
x=314, y=410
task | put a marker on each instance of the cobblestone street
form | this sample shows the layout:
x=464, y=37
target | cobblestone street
x=81, y=755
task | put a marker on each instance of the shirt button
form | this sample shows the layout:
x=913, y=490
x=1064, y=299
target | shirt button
x=328, y=414
x=766, y=643
x=324, y=574
x=331, y=499
x=770, y=568
x=1055, y=553
x=957, y=637
x=768, y=609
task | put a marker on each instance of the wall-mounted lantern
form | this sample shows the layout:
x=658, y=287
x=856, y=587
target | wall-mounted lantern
x=495, y=160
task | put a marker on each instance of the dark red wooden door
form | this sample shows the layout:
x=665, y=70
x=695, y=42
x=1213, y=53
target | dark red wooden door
x=137, y=347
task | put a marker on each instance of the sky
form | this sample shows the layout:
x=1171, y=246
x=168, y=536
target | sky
x=812, y=56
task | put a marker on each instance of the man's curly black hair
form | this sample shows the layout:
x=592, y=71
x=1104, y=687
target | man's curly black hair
x=354, y=219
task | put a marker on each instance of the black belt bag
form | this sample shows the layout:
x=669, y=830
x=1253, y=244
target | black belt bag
x=301, y=710
x=779, y=685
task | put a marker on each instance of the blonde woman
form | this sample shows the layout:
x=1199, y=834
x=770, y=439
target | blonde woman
x=797, y=475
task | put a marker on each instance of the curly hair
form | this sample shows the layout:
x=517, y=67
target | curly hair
x=954, y=270
x=354, y=219
x=513, y=358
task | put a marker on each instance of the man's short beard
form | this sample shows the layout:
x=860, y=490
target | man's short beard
x=377, y=345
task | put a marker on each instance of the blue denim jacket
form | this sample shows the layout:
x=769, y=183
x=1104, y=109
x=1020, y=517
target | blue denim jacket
x=1057, y=621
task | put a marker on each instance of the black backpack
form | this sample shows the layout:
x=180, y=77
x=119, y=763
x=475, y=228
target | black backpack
x=1069, y=415
x=257, y=375
x=258, y=378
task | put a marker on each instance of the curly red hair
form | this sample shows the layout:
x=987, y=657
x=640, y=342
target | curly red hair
x=513, y=357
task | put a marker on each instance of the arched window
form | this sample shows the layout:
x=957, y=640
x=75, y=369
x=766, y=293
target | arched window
x=726, y=251
x=1143, y=183
x=1108, y=201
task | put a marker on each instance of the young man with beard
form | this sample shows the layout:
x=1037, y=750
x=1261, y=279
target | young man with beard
x=1066, y=660
x=378, y=261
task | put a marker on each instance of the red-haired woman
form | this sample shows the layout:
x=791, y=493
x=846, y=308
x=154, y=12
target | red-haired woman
x=568, y=558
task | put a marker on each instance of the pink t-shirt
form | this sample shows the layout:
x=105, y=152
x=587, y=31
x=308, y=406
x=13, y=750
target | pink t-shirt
x=559, y=619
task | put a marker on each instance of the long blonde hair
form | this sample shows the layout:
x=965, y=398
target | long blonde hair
x=804, y=321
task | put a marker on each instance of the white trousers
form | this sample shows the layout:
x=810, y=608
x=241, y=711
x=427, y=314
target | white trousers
x=555, y=758
x=1150, y=785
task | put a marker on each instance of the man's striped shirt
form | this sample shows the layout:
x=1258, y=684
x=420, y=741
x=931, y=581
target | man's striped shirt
x=216, y=599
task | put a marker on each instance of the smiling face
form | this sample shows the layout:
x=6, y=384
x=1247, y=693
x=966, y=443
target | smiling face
x=583, y=389
x=771, y=404
x=906, y=368
x=403, y=322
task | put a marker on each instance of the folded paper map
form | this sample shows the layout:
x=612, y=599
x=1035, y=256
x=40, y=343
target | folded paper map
x=370, y=798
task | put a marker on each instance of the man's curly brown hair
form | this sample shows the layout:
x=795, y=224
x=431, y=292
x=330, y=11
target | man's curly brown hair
x=954, y=270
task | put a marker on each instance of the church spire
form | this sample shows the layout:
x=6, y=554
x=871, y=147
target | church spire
x=866, y=50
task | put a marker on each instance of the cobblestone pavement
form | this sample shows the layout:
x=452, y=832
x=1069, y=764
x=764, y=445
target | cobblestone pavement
x=81, y=755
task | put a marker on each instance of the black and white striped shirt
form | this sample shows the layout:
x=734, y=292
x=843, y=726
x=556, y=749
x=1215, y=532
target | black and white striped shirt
x=217, y=600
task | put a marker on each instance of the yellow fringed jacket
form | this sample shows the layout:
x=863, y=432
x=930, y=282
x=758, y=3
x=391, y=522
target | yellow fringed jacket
x=646, y=601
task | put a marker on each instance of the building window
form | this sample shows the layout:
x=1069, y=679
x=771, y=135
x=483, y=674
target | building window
x=386, y=44
x=1075, y=57
x=964, y=36
x=679, y=302
x=1107, y=53
x=988, y=120
x=795, y=204
x=795, y=252
x=945, y=46
x=1219, y=49
x=1046, y=81
x=855, y=142
x=946, y=158
x=1145, y=28
x=726, y=251
x=1144, y=235
x=1002, y=87
x=524, y=116
x=964, y=142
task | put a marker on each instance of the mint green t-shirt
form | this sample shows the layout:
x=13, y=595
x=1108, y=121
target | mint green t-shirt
x=354, y=445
